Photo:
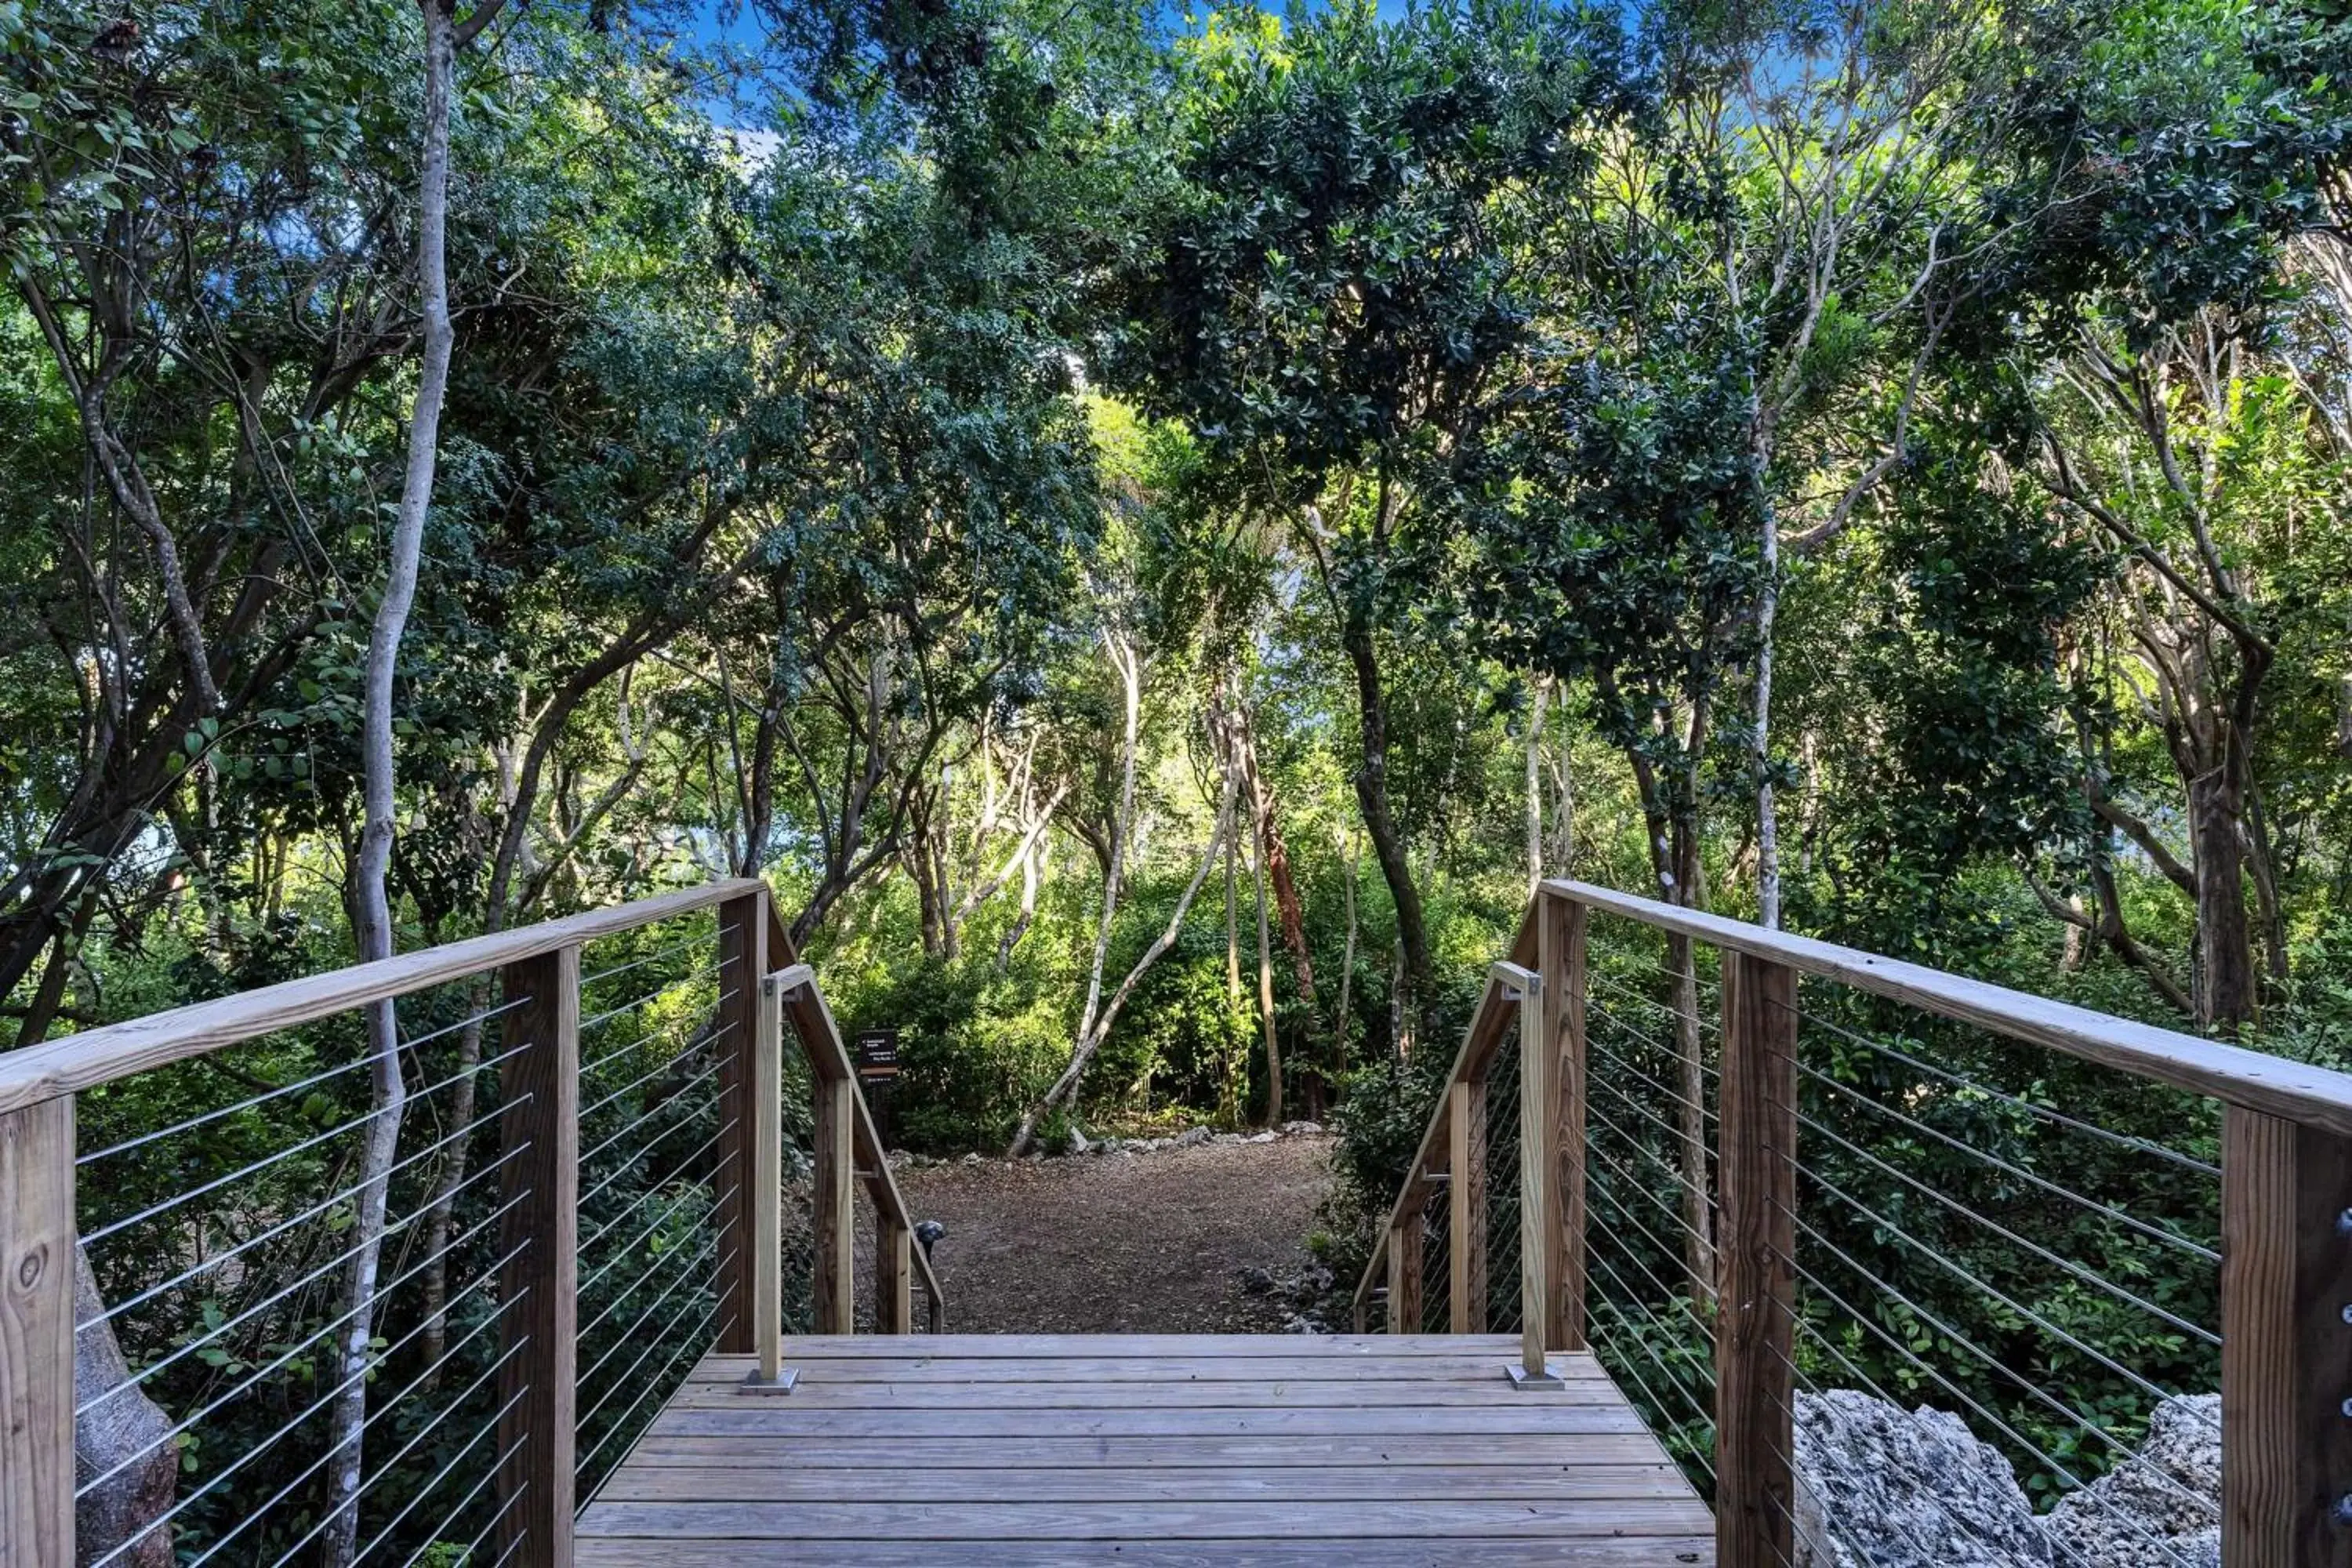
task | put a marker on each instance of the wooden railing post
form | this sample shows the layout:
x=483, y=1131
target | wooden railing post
x=742, y=963
x=2286, y=1343
x=1560, y=959
x=37, y=1334
x=1539, y=1182
x=1404, y=1273
x=540, y=1239
x=894, y=1276
x=763, y=1203
x=836, y=1219
x=1466, y=1198
x=1755, y=1325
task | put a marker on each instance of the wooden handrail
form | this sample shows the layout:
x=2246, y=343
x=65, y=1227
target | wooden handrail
x=2286, y=1181
x=2276, y=1085
x=73, y=1063
x=811, y=1018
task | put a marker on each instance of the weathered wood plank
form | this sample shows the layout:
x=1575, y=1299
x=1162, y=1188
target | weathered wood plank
x=1466, y=1233
x=915, y=1519
x=1404, y=1273
x=742, y=959
x=894, y=1278
x=37, y=1336
x=1270, y=1393
x=540, y=1237
x=835, y=1220
x=1160, y=1372
x=1695, y=1550
x=2286, y=1355
x=1560, y=960
x=753, y=1419
x=75, y=1062
x=1048, y=1347
x=915, y=1476
x=763, y=1206
x=1755, y=1390
x=1550, y=1452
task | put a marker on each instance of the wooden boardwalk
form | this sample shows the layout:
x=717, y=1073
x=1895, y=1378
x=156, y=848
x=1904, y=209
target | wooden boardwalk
x=1161, y=1450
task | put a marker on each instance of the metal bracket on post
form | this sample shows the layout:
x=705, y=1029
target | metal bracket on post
x=1538, y=1146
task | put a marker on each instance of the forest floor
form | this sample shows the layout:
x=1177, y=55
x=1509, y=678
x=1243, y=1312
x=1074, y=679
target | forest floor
x=1163, y=1242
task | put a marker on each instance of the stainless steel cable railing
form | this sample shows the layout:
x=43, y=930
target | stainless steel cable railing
x=565, y=1234
x=1828, y=1176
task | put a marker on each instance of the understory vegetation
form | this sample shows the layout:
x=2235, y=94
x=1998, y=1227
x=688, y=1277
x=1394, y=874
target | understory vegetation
x=1153, y=532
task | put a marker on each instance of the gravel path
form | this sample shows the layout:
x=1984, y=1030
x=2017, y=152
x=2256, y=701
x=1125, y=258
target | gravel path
x=1151, y=1243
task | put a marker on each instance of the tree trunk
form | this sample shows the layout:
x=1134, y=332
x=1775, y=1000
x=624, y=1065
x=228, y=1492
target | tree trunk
x=1535, y=785
x=125, y=1431
x=1265, y=996
x=1373, y=800
x=2225, y=961
x=1066, y=1088
x=1347, y=960
x=371, y=906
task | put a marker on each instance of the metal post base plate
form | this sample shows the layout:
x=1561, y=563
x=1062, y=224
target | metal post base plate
x=1522, y=1379
x=785, y=1382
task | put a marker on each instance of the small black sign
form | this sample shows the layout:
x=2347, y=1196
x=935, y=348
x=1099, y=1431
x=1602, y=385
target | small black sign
x=877, y=1053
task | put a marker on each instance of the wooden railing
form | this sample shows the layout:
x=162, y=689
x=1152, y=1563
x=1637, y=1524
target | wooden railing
x=225, y=1314
x=1725, y=1193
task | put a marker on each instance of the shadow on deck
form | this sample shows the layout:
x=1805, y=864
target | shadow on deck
x=1158, y=1449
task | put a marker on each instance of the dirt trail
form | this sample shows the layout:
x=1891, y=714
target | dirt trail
x=1149, y=1242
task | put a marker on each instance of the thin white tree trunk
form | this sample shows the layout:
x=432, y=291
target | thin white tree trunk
x=1768, y=826
x=1066, y=1088
x=1129, y=666
x=1265, y=984
x=371, y=905
x=1535, y=785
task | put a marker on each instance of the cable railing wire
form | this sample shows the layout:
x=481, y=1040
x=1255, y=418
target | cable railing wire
x=205, y=1119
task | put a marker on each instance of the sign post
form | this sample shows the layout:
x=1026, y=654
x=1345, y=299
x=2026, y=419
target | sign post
x=878, y=1069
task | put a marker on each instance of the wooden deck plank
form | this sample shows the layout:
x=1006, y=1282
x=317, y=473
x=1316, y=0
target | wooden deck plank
x=1050, y=1347
x=1530, y=1415
x=1271, y=1392
x=1062, y=1453
x=913, y=1519
x=783, y=1482
x=1637, y=1552
x=725, y=1371
x=1162, y=1450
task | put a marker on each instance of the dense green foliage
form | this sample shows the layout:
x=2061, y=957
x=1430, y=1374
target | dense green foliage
x=935, y=456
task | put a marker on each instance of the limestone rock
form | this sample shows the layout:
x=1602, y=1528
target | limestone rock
x=1909, y=1490
x=2161, y=1506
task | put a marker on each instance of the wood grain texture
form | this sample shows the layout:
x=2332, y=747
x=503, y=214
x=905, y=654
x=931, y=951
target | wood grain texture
x=1560, y=960
x=743, y=958
x=1539, y=1169
x=834, y=1219
x=540, y=1239
x=37, y=1336
x=1405, y=1305
x=2286, y=1351
x=894, y=1278
x=764, y=1205
x=1467, y=1198
x=75, y=1062
x=1081, y=1459
x=1640, y=1552
x=1755, y=1326
x=2294, y=1091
